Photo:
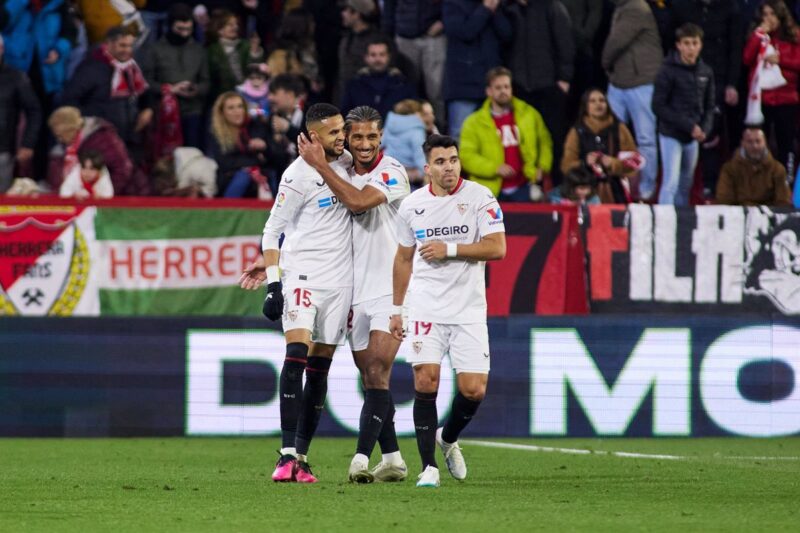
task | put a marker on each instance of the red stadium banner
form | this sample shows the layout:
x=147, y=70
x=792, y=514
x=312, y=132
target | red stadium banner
x=543, y=271
x=142, y=257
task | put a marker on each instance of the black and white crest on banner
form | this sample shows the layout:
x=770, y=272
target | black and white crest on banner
x=772, y=263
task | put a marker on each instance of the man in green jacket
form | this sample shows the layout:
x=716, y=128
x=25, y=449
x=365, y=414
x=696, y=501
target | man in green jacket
x=505, y=144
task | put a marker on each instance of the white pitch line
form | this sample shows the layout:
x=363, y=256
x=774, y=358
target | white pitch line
x=578, y=451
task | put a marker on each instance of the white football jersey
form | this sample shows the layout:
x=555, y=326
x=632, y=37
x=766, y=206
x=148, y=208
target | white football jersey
x=452, y=291
x=374, y=231
x=317, y=249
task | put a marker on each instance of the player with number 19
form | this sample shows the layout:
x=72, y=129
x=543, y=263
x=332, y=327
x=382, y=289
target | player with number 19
x=446, y=232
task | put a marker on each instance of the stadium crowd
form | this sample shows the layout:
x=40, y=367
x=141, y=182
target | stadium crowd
x=678, y=102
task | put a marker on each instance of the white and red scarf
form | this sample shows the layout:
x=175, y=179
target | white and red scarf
x=127, y=79
x=765, y=76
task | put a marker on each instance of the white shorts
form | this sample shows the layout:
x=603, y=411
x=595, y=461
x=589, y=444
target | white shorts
x=371, y=315
x=323, y=312
x=467, y=345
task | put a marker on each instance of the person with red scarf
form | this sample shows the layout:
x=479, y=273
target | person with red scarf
x=76, y=134
x=109, y=84
x=243, y=149
x=781, y=104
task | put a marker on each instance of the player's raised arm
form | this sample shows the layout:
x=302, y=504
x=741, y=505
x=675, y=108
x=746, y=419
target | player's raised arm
x=356, y=200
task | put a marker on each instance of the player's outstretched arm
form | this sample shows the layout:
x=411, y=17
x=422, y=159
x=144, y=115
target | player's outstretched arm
x=489, y=248
x=356, y=200
x=401, y=275
x=254, y=275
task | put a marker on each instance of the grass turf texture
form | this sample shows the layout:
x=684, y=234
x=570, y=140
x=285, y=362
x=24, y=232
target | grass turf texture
x=223, y=484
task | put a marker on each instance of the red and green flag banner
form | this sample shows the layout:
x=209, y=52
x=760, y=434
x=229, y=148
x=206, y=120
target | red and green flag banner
x=72, y=260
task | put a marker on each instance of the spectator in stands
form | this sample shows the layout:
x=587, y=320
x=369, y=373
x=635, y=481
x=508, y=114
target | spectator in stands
x=74, y=134
x=241, y=148
x=154, y=16
x=752, y=176
x=721, y=23
x=683, y=101
x=586, y=16
x=176, y=65
x=419, y=34
x=505, y=145
x=286, y=120
x=109, y=84
x=229, y=54
x=776, y=27
x=403, y=137
x=16, y=95
x=294, y=51
x=38, y=42
x=578, y=188
x=379, y=84
x=631, y=57
x=428, y=118
x=255, y=91
x=476, y=30
x=102, y=15
x=358, y=20
x=88, y=179
x=595, y=142
x=542, y=57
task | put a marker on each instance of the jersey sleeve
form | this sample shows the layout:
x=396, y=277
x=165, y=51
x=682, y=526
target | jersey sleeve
x=490, y=218
x=287, y=205
x=405, y=233
x=392, y=182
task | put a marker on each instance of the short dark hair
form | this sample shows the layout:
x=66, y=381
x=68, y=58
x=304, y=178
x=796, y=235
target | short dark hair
x=287, y=82
x=319, y=112
x=379, y=39
x=93, y=156
x=688, y=29
x=575, y=178
x=438, y=141
x=179, y=12
x=362, y=113
x=117, y=32
x=497, y=72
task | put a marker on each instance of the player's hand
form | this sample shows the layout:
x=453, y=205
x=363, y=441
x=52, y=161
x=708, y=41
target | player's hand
x=273, y=303
x=396, y=327
x=433, y=251
x=311, y=150
x=253, y=276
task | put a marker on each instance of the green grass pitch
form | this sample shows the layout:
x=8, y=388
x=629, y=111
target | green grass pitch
x=215, y=484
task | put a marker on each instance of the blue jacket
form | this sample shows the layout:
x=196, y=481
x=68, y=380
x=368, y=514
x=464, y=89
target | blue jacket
x=28, y=34
x=403, y=137
x=474, y=38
